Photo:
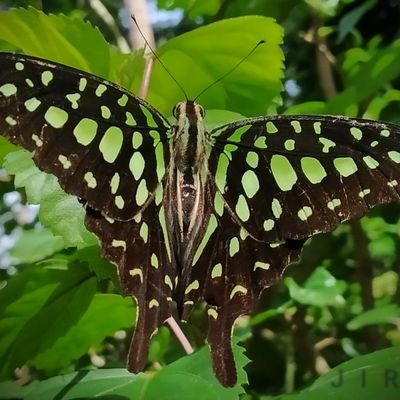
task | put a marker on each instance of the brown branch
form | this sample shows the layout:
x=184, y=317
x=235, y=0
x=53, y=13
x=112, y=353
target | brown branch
x=138, y=8
x=397, y=293
x=222, y=10
x=365, y=275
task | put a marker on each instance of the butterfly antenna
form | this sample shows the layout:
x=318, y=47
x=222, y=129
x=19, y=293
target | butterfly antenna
x=158, y=58
x=231, y=70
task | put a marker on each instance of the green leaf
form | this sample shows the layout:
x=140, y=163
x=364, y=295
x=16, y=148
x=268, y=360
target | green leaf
x=321, y=289
x=323, y=7
x=189, y=378
x=389, y=313
x=216, y=118
x=372, y=376
x=35, y=245
x=70, y=41
x=309, y=107
x=61, y=213
x=252, y=89
x=270, y=313
x=379, y=103
x=5, y=148
x=378, y=71
x=53, y=296
x=194, y=8
x=90, y=330
x=385, y=285
x=103, y=269
x=348, y=22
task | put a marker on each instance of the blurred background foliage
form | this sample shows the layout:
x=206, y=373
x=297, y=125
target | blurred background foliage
x=341, y=301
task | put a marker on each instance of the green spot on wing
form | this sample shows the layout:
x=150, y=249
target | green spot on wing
x=313, y=169
x=216, y=271
x=237, y=134
x=105, y=112
x=211, y=227
x=250, y=183
x=47, y=77
x=123, y=100
x=163, y=223
x=370, y=162
x=111, y=143
x=283, y=172
x=270, y=127
x=220, y=174
x=252, y=159
x=219, y=203
x=296, y=126
x=136, y=165
x=394, y=156
x=356, y=132
x=142, y=193
x=137, y=140
x=56, y=117
x=242, y=208
x=130, y=121
x=8, y=89
x=32, y=104
x=149, y=116
x=261, y=142
x=85, y=131
x=233, y=246
x=346, y=166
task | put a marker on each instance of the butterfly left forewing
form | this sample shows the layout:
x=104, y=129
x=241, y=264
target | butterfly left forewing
x=109, y=148
x=105, y=145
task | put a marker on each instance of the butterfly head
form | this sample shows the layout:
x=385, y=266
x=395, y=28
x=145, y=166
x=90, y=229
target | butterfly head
x=188, y=110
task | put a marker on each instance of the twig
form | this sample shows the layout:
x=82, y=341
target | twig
x=222, y=10
x=365, y=276
x=144, y=86
x=179, y=335
x=138, y=8
x=99, y=8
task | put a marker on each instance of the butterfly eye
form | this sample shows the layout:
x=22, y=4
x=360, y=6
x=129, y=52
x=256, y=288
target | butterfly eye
x=202, y=111
x=175, y=110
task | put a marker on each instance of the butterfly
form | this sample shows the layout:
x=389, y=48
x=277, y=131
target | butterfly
x=186, y=213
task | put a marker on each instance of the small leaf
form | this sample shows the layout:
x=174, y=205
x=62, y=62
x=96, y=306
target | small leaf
x=5, y=148
x=321, y=289
x=378, y=71
x=251, y=89
x=372, y=376
x=33, y=298
x=70, y=41
x=90, y=330
x=189, y=378
x=389, y=313
x=35, y=245
x=61, y=213
x=351, y=19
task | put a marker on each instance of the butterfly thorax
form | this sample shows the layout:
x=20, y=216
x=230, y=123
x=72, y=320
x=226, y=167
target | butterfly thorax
x=190, y=149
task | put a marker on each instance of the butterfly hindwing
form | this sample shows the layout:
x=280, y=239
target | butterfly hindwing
x=93, y=135
x=230, y=274
x=140, y=250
